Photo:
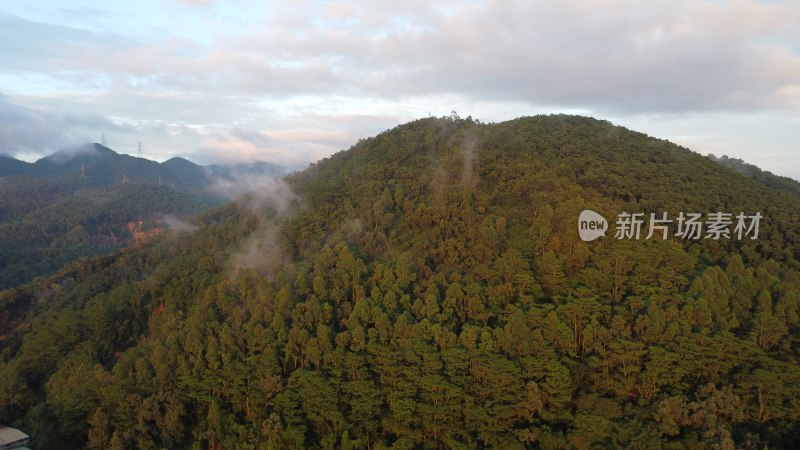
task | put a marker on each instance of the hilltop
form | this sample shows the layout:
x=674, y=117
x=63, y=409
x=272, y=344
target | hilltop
x=427, y=288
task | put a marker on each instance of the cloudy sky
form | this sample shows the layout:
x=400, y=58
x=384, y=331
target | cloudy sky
x=294, y=81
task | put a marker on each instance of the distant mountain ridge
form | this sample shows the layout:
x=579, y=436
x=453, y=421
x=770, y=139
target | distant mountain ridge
x=96, y=165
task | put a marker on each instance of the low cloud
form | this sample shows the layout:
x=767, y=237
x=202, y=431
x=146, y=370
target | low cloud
x=271, y=201
x=288, y=147
x=72, y=151
x=258, y=191
x=31, y=130
x=262, y=251
x=469, y=149
x=175, y=224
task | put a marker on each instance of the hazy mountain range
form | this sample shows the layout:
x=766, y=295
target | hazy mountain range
x=96, y=165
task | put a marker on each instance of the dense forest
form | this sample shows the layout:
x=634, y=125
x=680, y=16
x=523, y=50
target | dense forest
x=46, y=224
x=427, y=288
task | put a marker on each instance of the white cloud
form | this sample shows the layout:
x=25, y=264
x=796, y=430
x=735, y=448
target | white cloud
x=177, y=225
x=23, y=130
x=254, y=81
x=291, y=148
x=667, y=56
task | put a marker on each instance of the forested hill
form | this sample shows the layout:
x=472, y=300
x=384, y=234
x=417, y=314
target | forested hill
x=90, y=200
x=44, y=224
x=428, y=288
x=752, y=171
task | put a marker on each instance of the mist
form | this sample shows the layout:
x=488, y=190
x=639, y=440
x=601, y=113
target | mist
x=271, y=201
x=71, y=152
x=259, y=191
x=173, y=223
x=469, y=148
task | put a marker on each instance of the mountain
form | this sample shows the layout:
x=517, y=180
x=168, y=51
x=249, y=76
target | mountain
x=752, y=171
x=46, y=224
x=11, y=166
x=428, y=288
x=82, y=201
x=186, y=173
x=96, y=165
